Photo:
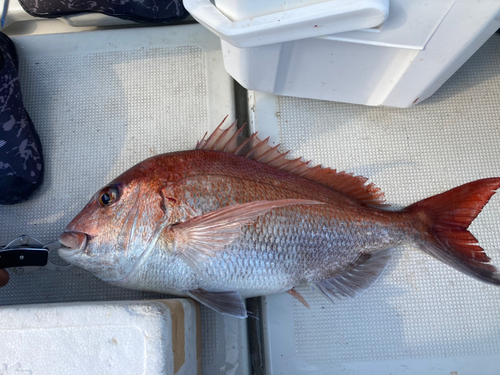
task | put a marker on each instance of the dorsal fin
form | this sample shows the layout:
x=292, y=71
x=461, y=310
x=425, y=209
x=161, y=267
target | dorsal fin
x=231, y=141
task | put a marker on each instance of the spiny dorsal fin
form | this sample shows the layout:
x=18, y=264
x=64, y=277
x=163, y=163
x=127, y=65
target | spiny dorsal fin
x=231, y=141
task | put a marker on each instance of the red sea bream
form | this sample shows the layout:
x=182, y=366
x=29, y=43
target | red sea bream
x=234, y=219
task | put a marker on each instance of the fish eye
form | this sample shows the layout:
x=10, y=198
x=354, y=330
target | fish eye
x=108, y=196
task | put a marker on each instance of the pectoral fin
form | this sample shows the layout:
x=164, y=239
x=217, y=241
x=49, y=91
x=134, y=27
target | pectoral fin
x=203, y=236
x=227, y=303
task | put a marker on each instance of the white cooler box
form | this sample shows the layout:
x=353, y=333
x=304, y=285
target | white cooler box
x=129, y=337
x=373, y=52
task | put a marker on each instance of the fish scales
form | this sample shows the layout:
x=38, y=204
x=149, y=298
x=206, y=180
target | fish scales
x=287, y=246
x=235, y=219
x=292, y=244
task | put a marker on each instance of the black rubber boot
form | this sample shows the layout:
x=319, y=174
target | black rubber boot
x=21, y=161
x=145, y=11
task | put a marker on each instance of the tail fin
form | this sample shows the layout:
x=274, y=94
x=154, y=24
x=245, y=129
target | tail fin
x=447, y=217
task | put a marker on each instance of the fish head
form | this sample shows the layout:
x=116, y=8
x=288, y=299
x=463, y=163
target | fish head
x=111, y=233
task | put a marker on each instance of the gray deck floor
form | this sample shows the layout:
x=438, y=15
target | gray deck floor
x=421, y=314
x=101, y=102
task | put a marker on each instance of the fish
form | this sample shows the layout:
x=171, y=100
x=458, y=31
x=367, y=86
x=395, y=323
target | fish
x=235, y=218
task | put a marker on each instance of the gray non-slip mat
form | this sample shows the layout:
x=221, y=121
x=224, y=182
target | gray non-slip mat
x=420, y=308
x=101, y=102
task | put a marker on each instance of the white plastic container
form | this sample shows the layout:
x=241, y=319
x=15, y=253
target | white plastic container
x=344, y=50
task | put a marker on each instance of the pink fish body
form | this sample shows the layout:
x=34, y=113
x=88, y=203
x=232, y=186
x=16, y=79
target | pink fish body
x=235, y=219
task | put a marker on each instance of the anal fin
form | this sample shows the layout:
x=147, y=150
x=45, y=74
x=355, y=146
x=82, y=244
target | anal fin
x=298, y=297
x=227, y=303
x=357, y=279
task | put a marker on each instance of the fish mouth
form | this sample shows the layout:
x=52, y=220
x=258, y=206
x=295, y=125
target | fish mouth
x=73, y=242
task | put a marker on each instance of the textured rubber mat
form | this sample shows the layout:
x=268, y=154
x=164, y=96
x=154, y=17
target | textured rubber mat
x=101, y=102
x=420, y=308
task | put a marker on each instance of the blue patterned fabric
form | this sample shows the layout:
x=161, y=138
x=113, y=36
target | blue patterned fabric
x=21, y=161
x=149, y=11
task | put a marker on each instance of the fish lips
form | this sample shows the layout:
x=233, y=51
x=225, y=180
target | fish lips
x=73, y=242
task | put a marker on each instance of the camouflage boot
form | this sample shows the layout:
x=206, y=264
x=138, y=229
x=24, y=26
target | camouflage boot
x=21, y=161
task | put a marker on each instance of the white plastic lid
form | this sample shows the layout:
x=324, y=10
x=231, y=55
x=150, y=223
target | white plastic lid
x=241, y=10
x=311, y=19
x=411, y=24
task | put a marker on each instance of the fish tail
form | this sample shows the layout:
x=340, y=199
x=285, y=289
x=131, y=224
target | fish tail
x=444, y=220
